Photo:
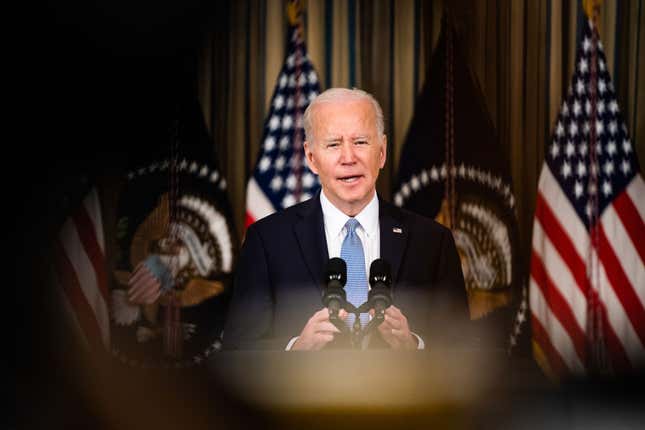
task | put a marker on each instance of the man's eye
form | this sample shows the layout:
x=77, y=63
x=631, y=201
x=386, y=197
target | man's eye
x=332, y=145
x=361, y=142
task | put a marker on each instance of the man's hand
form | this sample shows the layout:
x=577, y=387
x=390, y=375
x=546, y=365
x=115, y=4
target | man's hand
x=318, y=331
x=395, y=331
x=144, y=286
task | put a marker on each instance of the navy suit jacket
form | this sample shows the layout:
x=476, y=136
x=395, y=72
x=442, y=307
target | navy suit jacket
x=279, y=277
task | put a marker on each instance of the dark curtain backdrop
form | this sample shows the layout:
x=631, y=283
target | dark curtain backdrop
x=520, y=51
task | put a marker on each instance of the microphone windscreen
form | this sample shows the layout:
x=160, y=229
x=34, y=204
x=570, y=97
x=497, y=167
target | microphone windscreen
x=380, y=271
x=336, y=269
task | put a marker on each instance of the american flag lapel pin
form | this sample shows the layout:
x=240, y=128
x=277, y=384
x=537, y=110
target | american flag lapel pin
x=397, y=230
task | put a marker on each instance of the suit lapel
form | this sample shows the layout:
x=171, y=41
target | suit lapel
x=394, y=237
x=310, y=233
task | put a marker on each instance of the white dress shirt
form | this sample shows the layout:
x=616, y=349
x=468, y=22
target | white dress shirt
x=368, y=231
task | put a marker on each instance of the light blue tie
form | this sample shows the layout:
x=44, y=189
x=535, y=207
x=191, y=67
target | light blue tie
x=356, y=287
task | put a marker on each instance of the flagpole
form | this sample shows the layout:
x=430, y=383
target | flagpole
x=294, y=11
x=449, y=134
x=172, y=338
x=597, y=358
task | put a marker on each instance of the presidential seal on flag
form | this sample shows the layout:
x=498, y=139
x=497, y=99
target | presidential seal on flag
x=481, y=217
x=175, y=256
x=453, y=170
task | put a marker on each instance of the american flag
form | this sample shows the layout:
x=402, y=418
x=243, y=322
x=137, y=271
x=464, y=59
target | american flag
x=281, y=178
x=79, y=265
x=587, y=286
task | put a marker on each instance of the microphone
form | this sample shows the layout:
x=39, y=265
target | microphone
x=334, y=296
x=380, y=294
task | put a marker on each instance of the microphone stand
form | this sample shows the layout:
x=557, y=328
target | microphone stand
x=335, y=319
x=356, y=333
x=377, y=319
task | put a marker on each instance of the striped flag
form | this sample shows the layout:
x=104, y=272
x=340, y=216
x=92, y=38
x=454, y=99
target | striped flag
x=79, y=265
x=587, y=286
x=281, y=177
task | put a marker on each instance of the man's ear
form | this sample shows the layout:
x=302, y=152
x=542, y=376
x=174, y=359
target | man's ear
x=309, y=157
x=383, y=154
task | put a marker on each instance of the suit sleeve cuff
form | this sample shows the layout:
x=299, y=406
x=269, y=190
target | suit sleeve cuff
x=293, y=340
x=420, y=343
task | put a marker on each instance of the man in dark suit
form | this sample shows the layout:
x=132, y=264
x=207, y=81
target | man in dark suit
x=276, y=299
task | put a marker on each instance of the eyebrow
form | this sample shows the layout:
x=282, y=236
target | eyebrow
x=332, y=139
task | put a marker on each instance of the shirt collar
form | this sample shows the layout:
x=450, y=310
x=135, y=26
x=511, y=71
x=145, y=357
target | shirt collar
x=335, y=219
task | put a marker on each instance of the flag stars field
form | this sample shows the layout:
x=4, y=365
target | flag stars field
x=278, y=102
x=274, y=123
x=583, y=66
x=276, y=183
x=582, y=169
x=269, y=143
x=627, y=146
x=280, y=162
x=308, y=180
x=265, y=163
x=279, y=173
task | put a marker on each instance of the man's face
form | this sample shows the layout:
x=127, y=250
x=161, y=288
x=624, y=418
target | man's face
x=346, y=152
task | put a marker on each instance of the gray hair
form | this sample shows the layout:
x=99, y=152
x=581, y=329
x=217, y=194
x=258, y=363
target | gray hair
x=337, y=94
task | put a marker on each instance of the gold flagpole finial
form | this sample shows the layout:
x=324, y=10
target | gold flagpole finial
x=295, y=8
x=592, y=9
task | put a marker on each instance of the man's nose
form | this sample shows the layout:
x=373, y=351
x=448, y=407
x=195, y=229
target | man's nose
x=347, y=153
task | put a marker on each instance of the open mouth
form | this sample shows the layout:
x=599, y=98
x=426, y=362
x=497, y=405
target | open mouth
x=350, y=179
